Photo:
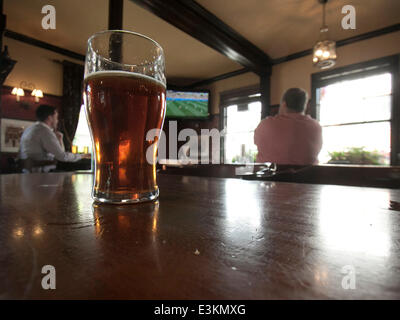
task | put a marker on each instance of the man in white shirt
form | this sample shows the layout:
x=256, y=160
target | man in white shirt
x=42, y=141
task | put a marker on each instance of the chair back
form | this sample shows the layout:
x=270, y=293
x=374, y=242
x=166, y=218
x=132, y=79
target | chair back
x=27, y=165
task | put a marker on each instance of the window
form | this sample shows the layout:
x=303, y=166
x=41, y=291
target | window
x=241, y=121
x=355, y=117
x=354, y=106
x=240, y=112
x=82, y=137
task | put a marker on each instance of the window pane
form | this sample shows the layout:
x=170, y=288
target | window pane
x=82, y=135
x=373, y=137
x=243, y=121
x=359, y=100
x=239, y=139
x=239, y=147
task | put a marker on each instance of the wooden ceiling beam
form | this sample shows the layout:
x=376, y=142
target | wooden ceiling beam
x=44, y=45
x=199, y=23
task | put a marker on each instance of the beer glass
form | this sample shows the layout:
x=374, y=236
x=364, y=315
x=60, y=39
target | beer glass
x=124, y=94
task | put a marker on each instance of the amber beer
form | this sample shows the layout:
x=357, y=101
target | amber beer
x=121, y=108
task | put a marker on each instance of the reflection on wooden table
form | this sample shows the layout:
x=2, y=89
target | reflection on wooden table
x=206, y=238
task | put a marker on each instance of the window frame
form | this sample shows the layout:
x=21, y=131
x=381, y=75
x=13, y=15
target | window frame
x=388, y=64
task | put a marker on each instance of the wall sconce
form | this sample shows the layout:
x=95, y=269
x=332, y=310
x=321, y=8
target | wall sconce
x=37, y=93
x=19, y=92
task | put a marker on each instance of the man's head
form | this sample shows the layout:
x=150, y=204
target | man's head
x=294, y=100
x=47, y=114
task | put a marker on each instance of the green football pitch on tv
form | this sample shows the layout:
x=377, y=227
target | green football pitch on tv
x=187, y=109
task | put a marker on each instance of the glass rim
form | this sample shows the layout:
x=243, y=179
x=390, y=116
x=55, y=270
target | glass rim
x=120, y=31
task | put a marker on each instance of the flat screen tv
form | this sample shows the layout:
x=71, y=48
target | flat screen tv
x=187, y=104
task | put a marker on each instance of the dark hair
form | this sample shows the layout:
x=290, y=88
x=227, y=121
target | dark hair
x=44, y=111
x=295, y=99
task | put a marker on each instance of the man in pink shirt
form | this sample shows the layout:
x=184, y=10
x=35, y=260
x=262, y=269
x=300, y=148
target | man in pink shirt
x=291, y=137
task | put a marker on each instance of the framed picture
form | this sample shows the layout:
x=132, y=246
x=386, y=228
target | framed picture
x=11, y=132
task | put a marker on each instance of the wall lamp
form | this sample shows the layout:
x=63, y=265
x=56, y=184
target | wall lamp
x=19, y=91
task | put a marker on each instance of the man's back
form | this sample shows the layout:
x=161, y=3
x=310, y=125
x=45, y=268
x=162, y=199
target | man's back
x=291, y=138
x=31, y=144
x=39, y=142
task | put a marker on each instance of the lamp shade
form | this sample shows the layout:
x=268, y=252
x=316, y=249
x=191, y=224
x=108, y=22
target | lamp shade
x=324, y=54
x=18, y=91
x=37, y=93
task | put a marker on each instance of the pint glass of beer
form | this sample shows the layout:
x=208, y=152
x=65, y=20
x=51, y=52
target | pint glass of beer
x=124, y=94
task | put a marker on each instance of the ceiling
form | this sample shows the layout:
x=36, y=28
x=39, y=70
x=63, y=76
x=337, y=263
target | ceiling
x=77, y=20
x=283, y=27
x=278, y=27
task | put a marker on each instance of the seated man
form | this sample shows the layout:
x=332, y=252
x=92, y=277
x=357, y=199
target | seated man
x=42, y=141
x=290, y=137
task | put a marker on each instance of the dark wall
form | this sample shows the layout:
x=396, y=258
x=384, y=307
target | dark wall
x=26, y=107
x=23, y=110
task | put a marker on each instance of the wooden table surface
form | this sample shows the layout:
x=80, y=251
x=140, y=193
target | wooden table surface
x=206, y=238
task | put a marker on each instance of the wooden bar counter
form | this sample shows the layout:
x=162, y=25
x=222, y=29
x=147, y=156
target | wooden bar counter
x=206, y=238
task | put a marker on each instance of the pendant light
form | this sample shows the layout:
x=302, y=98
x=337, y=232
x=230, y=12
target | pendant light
x=324, y=53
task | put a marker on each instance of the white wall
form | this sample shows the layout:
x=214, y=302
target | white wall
x=35, y=65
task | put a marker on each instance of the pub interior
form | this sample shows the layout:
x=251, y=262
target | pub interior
x=225, y=225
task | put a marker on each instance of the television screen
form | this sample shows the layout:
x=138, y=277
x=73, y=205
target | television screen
x=187, y=104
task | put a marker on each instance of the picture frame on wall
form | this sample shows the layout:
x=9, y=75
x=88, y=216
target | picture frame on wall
x=11, y=132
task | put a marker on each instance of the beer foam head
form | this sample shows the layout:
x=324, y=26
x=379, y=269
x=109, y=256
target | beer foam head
x=120, y=73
